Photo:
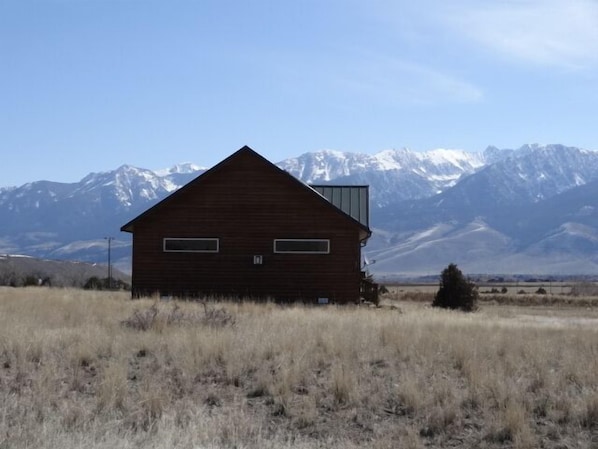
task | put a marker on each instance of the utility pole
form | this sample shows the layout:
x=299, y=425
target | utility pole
x=109, y=261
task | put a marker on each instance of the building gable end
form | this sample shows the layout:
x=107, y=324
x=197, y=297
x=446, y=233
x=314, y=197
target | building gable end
x=317, y=196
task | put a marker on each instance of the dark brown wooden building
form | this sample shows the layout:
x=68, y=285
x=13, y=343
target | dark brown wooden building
x=246, y=228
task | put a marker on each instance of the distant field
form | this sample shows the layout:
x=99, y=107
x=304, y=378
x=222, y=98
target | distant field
x=580, y=294
x=512, y=287
x=97, y=370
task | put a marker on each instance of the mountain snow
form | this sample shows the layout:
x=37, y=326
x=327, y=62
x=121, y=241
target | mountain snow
x=327, y=165
x=392, y=175
x=184, y=168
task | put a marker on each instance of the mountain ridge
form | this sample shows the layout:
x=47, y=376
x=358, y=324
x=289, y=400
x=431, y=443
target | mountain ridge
x=531, y=209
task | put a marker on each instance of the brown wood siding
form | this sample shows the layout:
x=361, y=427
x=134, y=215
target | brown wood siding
x=247, y=204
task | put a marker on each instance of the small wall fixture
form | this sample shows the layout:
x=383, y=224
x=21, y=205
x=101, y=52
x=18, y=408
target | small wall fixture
x=258, y=260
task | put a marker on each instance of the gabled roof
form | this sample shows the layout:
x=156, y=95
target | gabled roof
x=129, y=227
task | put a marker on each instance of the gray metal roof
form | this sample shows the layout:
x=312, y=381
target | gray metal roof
x=352, y=200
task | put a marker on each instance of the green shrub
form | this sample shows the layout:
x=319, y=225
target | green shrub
x=95, y=283
x=31, y=280
x=456, y=292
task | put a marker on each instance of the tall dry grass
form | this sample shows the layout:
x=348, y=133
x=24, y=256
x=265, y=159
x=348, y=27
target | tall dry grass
x=72, y=374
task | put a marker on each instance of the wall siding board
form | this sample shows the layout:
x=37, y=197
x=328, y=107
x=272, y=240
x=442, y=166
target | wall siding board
x=247, y=204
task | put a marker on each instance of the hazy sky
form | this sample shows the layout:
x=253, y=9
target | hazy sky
x=89, y=85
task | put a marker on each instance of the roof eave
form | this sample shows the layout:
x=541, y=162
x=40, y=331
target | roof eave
x=127, y=228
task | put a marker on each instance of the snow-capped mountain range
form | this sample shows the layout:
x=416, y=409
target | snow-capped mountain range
x=533, y=210
x=400, y=174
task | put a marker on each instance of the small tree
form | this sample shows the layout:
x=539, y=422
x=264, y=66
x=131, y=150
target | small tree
x=456, y=292
x=95, y=283
x=31, y=280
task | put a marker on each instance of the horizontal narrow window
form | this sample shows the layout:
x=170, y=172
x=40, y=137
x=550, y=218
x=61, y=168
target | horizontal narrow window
x=192, y=245
x=304, y=246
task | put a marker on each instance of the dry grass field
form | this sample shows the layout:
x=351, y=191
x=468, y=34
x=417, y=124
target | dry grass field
x=97, y=370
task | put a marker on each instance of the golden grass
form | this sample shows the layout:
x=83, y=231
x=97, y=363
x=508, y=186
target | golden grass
x=72, y=375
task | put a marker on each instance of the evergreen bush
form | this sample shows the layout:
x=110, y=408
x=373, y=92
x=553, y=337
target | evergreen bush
x=456, y=292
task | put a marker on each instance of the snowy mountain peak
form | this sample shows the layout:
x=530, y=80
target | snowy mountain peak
x=392, y=159
x=392, y=174
x=330, y=154
x=321, y=166
x=538, y=148
x=326, y=165
x=182, y=168
x=458, y=158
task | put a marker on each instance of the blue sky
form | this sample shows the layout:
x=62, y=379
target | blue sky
x=89, y=85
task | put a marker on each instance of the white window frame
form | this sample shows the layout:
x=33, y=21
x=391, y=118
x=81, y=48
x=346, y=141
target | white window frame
x=211, y=239
x=302, y=240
